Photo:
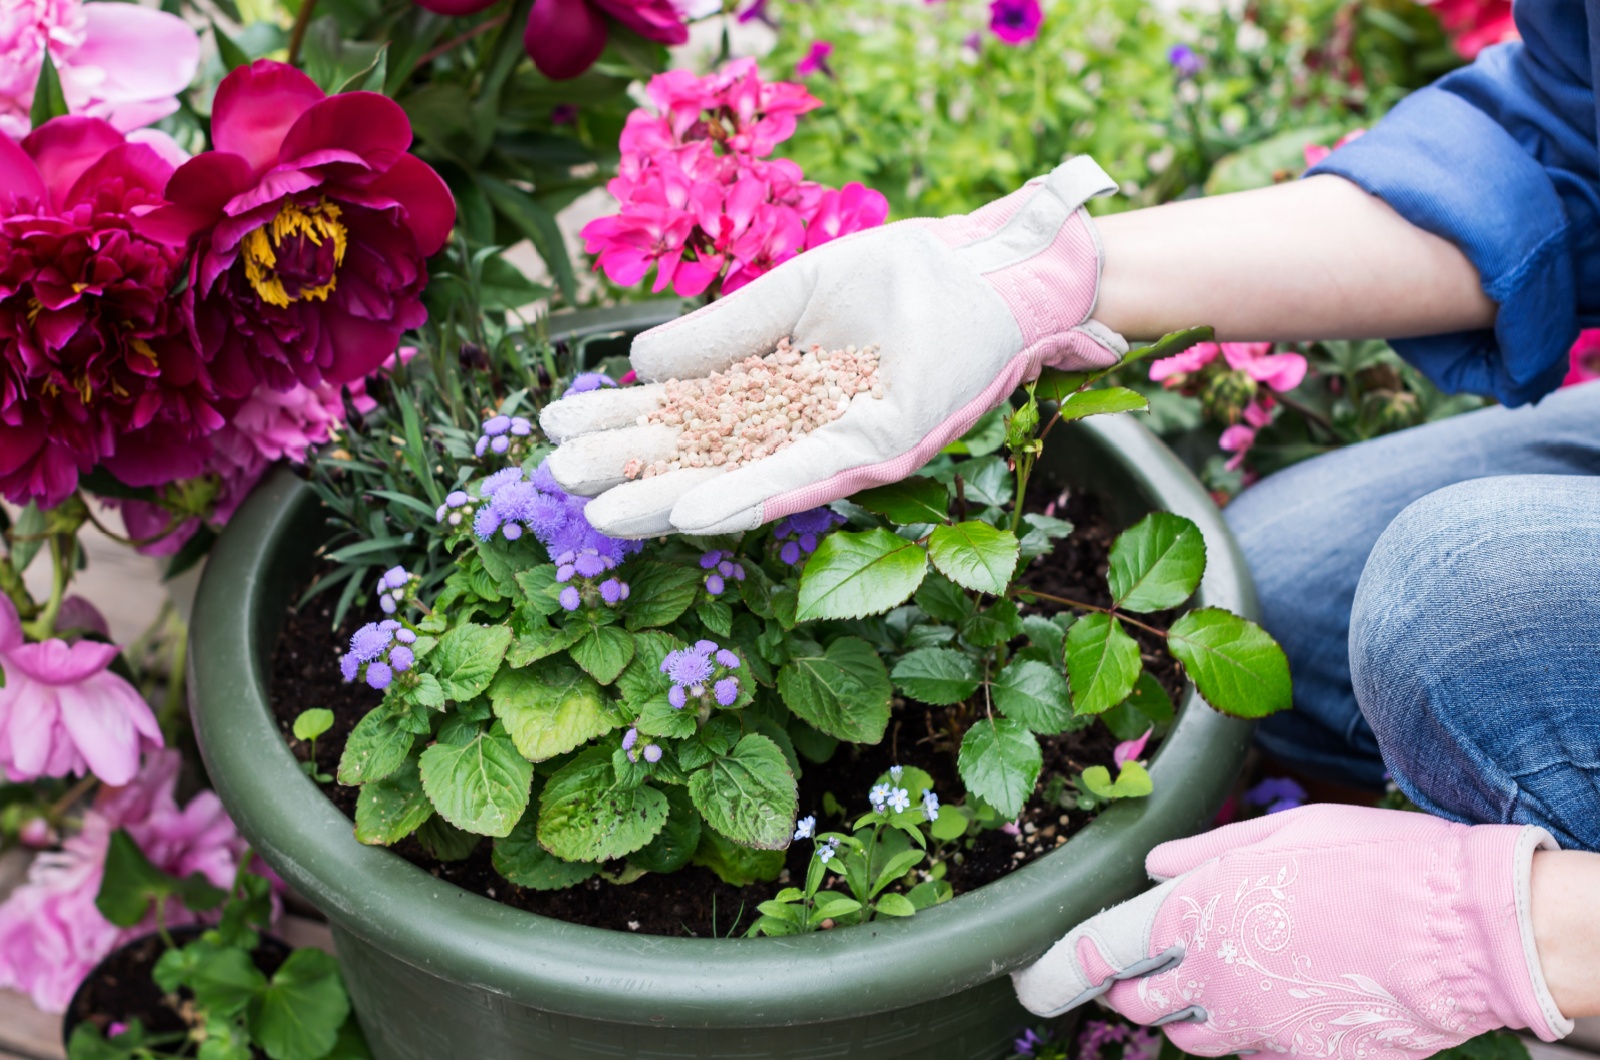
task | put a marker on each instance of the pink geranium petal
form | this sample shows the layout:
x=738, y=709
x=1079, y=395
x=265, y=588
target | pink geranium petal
x=256, y=106
x=564, y=37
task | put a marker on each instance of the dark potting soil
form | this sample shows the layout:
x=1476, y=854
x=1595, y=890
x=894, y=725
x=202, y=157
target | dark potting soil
x=694, y=901
x=121, y=990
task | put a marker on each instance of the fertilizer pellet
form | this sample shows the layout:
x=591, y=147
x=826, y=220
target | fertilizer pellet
x=759, y=406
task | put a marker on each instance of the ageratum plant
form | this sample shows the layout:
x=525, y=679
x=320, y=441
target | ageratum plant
x=608, y=707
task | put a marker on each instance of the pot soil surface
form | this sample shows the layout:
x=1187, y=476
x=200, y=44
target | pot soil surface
x=694, y=902
x=121, y=990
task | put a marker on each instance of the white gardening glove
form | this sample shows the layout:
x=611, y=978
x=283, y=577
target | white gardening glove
x=962, y=310
x=1328, y=931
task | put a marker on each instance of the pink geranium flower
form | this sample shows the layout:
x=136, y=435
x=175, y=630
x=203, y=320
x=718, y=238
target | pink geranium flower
x=1473, y=25
x=310, y=225
x=51, y=934
x=1584, y=360
x=1279, y=371
x=62, y=712
x=1239, y=438
x=1315, y=153
x=122, y=62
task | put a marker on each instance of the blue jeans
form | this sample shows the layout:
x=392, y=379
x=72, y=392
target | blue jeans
x=1438, y=594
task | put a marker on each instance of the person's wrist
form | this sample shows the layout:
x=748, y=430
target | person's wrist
x=1563, y=891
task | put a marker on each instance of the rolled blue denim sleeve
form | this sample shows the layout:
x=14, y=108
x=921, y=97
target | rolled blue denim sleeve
x=1500, y=159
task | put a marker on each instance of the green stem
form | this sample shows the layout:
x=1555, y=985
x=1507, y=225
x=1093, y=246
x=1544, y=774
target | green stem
x=297, y=35
x=172, y=707
x=1024, y=469
x=44, y=627
x=161, y=924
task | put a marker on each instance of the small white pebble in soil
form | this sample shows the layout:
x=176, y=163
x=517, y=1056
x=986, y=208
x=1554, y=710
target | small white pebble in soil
x=759, y=406
x=633, y=925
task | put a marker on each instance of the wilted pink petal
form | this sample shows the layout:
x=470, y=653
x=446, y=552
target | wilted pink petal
x=1130, y=750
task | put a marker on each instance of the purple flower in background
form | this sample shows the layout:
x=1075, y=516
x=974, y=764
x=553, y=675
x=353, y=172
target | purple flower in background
x=570, y=599
x=727, y=691
x=587, y=381
x=401, y=658
x=1015, y=21
x=1028, y=1044
x=815, y=59
x=800, y=533
x=757, y=12
x=379, y=675
x=563, y=114
x=1184, y=60
x=652, y=753
x=1276, y=794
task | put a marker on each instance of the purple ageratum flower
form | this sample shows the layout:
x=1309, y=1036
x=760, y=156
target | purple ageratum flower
x=688, y=667
x=705, y=647
x=726, y=690
x=401, y=658
x=503, y=477
x=1184, y=60
x=386, y=604
x=800, y=532
x=485, y=523
x=652, y=753
x=396, y=577
x=1276, y=794
x=714, y=584
x=521, y=426
x=405, y=636
x=565, y=572
x=500, y=444
x=630, y=738
x=587, y=381
x=545, y=482
x=349, y=667
x=590, y=564
x=1028, y=1044
x=710, y=559
x=789, y=553
x=570, y=598
x=457, y=498
x=496, y=425
x=611, y=590
x=368, y=642
x=677, y=697
x=481, y=446
x=1015, y=21
x=379, y=675
x=727, y=659
x=512, y=531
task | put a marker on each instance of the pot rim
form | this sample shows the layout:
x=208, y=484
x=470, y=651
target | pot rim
x=596, y=973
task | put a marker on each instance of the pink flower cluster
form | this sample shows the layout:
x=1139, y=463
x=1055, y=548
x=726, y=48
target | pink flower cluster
x=1315, y=153
x=702, y=203
x=1280, y=372
x=51, y=934
x=1473, y=25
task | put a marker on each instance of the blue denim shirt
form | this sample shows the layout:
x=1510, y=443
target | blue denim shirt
x=1500, y=158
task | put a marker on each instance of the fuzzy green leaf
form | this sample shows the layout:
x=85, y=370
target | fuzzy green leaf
x=642, y=679
x=1000, y=762
x=854, y=575
x=843, y=691
x=540, y=588
x=467, y=657
x=542, y=641
x=1102, y=663
x=1034, y=694
x=974, y=555
x=1156, y=563
x=677, y=841
x=911, y=500
x=658, y=593
x=937, y=676
x=519, y=858
x=586, y=815
x=480, y=786
x=549, y=709
x=748, y=795
x=735, y=864
x=604, y=652
x=1235, y=664
x=716, y=615
x=390, y=809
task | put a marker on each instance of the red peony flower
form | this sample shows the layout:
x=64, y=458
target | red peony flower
x=565, y=37
x=96, y=365
x=310, y=225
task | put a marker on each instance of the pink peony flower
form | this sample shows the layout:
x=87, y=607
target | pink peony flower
x=565, y=37
x=1015, y=21
x=122, y=62
x=51, y=934
x=269, y=426
x=310, y=224
x=96, y=363
x=62, y=712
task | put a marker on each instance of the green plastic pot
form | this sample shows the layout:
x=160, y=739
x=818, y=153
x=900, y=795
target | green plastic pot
x=436, y=972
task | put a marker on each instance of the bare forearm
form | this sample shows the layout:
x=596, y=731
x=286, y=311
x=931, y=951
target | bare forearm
x=1313, y=259
x=1565, y=890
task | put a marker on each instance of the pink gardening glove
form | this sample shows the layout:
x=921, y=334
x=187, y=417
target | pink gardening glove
x=1323, y=931
x=962, y=309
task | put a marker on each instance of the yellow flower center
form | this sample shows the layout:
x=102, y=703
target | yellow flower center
x=294, y=256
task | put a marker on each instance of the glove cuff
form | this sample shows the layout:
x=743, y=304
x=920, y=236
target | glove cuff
x=1040, y=251
x=1500, y=860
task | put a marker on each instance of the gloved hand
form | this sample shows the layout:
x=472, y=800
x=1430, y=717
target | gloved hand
x=1324, y=931
x=962, y=310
